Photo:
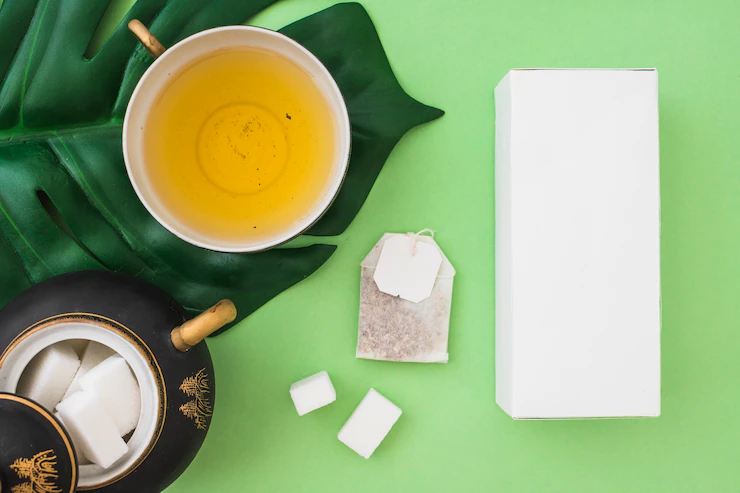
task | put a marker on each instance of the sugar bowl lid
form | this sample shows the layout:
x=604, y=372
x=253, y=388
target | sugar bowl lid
x=36, y=454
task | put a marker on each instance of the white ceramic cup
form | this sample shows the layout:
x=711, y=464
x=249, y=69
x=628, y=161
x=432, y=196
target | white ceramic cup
x=158, y=77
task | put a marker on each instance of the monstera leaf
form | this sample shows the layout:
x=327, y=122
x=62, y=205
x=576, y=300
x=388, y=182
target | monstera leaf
x=65, y=200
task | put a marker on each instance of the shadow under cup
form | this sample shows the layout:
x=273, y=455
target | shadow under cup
x=160, y=82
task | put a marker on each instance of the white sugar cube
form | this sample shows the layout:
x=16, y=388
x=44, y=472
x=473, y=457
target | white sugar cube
x=47, y=376
x=91, y=356
x=78, y=345
x=369, y=424
x=81, y=459
x=312, y=393
x=114, y=384
x=93, y=432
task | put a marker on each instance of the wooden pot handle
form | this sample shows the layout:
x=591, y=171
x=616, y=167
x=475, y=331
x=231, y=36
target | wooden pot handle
x=193, y=331
x=146, y=38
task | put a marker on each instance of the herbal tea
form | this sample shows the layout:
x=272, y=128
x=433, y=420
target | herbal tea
x=240, y=145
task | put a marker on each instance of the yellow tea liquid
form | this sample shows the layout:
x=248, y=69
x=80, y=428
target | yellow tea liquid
x=240, y=145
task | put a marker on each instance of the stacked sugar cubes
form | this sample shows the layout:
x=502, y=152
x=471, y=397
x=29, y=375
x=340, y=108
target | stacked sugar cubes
x=94, y=393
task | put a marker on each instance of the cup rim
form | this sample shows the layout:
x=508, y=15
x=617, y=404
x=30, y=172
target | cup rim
x=338, y=178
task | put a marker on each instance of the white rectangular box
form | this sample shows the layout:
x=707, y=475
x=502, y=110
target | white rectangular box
x=578, y=308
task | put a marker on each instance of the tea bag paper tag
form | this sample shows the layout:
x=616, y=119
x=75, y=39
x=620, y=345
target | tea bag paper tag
x=408, y=268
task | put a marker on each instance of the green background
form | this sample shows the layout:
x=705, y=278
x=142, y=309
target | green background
x=452, y=436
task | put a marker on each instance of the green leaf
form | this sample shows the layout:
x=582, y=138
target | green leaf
x=65, y=200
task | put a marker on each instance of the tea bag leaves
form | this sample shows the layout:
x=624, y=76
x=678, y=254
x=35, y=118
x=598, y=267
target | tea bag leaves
x=392, y=328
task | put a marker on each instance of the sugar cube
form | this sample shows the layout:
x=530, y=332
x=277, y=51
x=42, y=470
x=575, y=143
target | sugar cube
x=93, y=432
x=47, y=376
x=312, y=393
x=116, y=387
x=78, y=345
x=91, y=356
x=81, y=459
x=369, y=424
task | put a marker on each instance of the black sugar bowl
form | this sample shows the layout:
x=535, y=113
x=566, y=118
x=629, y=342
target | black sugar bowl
x=166, y=355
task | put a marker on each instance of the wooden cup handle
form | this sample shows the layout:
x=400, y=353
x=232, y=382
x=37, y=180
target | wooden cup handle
x=193, y=331
x=146, y=38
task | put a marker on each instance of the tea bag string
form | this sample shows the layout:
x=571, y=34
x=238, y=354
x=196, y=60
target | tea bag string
x=415, y=238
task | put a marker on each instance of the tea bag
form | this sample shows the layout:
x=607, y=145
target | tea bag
x=405, y=299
